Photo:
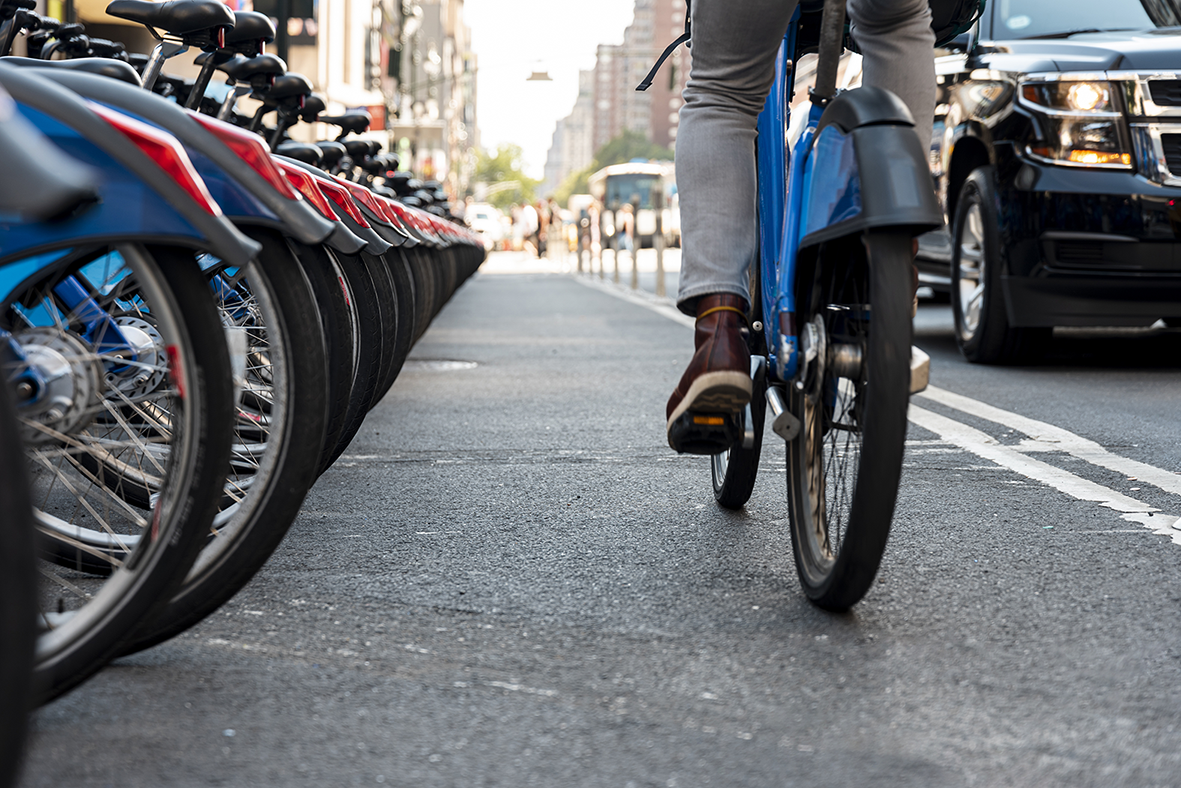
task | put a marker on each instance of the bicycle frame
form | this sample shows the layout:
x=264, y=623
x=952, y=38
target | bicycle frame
x=826, y=190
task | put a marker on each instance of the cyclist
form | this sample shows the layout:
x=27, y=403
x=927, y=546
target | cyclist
x=734, y=46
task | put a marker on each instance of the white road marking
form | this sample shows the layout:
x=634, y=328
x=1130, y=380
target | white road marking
x=988, y=448
x=1043, y=437
x=660, y=306
x=1046, y=437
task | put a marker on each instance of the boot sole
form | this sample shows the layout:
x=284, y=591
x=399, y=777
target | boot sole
x=715, y=392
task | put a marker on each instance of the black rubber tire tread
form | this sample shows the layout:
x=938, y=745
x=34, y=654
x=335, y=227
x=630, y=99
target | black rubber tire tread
x=883, y=426
x=399, y=270
x=733, y=488
x=387, y=302
x=162, y=566
x=366, y=377
x=18, y=604
x=337, y=328
x=276, y=500
x=424, y=290
x=994, y=341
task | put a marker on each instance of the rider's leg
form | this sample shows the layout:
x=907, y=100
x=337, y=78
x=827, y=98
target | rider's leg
x=897, y=42
x=734, y=46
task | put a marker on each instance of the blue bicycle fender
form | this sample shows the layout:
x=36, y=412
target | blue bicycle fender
x=148, y=188
x=867, y=171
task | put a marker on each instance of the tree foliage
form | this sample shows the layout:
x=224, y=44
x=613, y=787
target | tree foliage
x=575, y=183
x=504, y=172
x=627, y=146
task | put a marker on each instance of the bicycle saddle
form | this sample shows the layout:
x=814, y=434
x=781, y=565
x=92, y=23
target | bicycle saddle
x=333, y=152
x=313, y=105
x=247, y=68
x=357, y=149
x=349, y=122
x=116, y=69
x=178, y=17
x=300, y=151
x=219, y=57
x=250, y=27
x=403, y=183
x=288, y=86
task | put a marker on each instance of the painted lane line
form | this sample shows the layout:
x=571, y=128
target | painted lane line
x=661, y=306
x=988, y=448
x=1045, y=437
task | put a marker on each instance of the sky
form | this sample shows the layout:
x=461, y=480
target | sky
x=513, y=38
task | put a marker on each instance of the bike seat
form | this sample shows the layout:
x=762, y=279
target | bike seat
x=250, y=26
x=115, y=69
x=313, y=105
x=404, y=183
x=300, y=151
x=219, y=58
x=349, y=122
x=178, y=17
x=289, y=86
x=102, y=47
x=358, y=149
x=333, y=152
x=390, y=160
x=245, y=69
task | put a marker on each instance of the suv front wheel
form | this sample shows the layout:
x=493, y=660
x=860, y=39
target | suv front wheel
x=982, y=328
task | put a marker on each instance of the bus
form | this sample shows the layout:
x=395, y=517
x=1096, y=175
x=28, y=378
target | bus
x=638, y=182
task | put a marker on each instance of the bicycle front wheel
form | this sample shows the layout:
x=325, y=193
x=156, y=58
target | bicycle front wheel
x=844, y=467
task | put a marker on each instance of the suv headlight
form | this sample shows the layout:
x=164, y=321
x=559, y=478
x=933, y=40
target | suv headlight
x=1081, y=122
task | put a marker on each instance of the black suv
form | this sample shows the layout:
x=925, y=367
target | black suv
x=1057, y=156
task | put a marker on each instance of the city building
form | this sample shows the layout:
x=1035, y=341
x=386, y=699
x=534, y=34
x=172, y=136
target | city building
x=608, y=103
x=407, y=62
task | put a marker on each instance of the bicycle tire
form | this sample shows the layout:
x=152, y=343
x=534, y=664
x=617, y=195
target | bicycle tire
x=387, y=305
x=276, y=452
x=366, y=315
x=844, y=467
x=337, y=325
x=185, y=398
x=18, y=603
x=403, y=283
x=735, y=471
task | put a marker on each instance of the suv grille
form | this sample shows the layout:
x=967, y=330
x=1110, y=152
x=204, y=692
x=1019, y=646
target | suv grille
x=1171, y=143
x=1165, y=92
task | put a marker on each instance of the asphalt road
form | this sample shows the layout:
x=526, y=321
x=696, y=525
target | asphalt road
x=509, y=580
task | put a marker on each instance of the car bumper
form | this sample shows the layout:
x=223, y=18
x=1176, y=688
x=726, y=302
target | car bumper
x=1088, y=248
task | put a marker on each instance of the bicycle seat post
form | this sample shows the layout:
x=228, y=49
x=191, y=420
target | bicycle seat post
x=163, y=51
x=832, y=39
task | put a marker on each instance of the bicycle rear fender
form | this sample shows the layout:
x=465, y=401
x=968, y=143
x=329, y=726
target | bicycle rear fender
x=867, y=171
x=138, y=201
x=241, y=192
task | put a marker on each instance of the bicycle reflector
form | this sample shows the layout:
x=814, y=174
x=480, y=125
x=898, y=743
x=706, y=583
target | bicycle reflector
x=165, y=151
x=339, y=196
x=251, y=149
x=307, y=187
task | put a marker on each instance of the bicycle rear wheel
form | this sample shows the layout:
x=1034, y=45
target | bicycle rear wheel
x=18, y=584
x=269, y=306
x=127, y=446
x=844, y=467
x=734, y=471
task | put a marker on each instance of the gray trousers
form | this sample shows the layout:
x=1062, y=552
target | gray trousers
x=734, y=46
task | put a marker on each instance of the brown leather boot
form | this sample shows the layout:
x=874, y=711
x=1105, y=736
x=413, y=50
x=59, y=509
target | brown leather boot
x=716, y=386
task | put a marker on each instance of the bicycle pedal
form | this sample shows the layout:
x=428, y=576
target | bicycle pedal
x=705, y=433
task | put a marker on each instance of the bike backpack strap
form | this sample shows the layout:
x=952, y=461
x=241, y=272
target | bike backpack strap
x=668, y=50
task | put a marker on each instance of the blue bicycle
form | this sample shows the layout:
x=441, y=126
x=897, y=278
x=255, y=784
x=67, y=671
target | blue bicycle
x=832, y=313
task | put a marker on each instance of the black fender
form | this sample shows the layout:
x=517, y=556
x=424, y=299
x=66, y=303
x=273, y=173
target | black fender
x=298, y=219
x=220, y=236
x=868, y=170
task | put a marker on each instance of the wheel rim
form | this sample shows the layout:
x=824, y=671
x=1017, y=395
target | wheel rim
x=830, y=440
x=88, y=479
x=970, y=271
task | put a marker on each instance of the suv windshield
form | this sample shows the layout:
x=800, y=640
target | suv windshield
x=1026, y=19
